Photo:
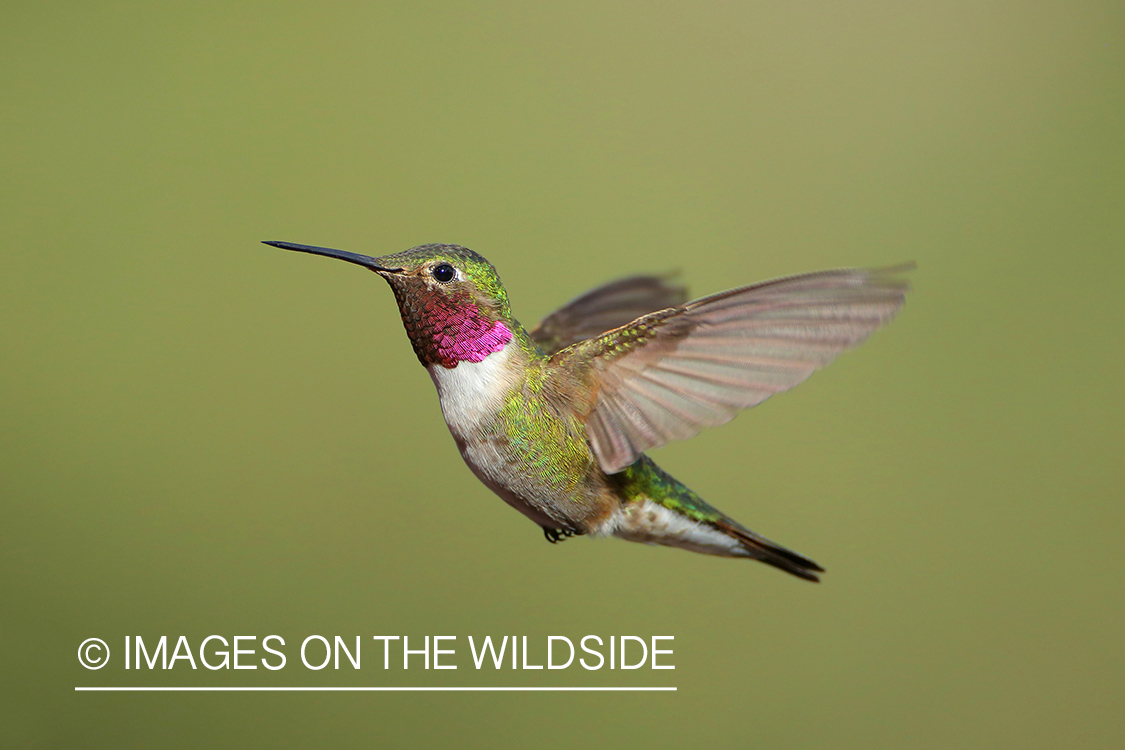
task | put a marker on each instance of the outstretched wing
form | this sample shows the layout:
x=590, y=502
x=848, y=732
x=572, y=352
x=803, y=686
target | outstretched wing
x=609, y=306
x=671, y=373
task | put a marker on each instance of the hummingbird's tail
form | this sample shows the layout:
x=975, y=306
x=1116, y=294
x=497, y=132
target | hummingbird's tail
x=657, y=509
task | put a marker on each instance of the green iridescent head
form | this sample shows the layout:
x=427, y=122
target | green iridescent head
x=471, y=272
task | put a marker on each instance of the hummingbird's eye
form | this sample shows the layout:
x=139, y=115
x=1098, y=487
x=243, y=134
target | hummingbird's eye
x=443, y=273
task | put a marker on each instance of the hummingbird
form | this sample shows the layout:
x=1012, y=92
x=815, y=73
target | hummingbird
x=556, y=421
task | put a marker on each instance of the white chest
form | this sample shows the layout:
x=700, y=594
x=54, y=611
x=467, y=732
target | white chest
x=473, y=391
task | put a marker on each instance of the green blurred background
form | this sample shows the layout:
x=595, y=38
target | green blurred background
x=205, y=435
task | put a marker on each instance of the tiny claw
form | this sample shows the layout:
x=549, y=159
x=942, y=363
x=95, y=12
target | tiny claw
x=554, y=536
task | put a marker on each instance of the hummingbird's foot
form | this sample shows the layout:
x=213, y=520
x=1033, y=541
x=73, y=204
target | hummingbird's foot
x=554, y=536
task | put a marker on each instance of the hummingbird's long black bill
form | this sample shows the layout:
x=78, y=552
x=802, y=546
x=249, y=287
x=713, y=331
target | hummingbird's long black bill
x=360, y=260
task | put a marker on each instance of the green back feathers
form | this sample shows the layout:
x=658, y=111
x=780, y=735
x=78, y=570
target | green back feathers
x=645, y=480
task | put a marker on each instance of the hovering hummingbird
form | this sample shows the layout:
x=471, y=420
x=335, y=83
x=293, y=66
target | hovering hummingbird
x=556, y=421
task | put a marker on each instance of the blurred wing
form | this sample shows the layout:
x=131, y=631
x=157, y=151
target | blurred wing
x=609, y=306
x=668, y=375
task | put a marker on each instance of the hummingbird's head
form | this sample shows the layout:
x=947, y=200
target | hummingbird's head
x=453, y=305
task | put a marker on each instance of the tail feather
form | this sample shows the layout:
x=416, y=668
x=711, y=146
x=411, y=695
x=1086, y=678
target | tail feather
x=771, y=553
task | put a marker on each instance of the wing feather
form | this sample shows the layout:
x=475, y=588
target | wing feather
x=606, y=307
x=669, y=374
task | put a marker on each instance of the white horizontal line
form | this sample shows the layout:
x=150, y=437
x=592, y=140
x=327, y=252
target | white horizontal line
x=215, y=689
